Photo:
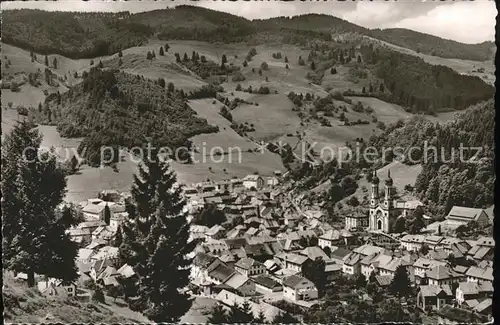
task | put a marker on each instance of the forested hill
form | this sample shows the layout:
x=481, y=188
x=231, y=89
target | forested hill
x=85, y=35
x=111, y=108
x=71, y=34
x=466, y=181
x=434, y=45
x=311, y=22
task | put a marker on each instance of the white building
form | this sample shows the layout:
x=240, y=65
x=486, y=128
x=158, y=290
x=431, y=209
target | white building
x=297, y=288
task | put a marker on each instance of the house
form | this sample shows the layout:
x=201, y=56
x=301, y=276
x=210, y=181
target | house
x=272, y=181
x=241, y=283
x=202, y=263
x=442, y=275
x=479, y=275
x=109, y=195
x=334, y=238
x=108, y=277
x=464, y=215
x=216, y=232
x=337, y=255
x=97, y=267
x=54, y=288
x=352, y=264
x=265, y=284
x=219, y=273
x=412, y=242
x=126, y=271
x=80, y=236
x=250, y=267
x=481, y=253
x=106, y=252
x=368, y=249
x=91, y=225
x=431, y=297
x=83, y=260
x=93, y=210
x=253, y=181
x=422, y=265
x=313, y=253
x=473, y=290
x=292, y=261
x=297, y=288
x=433, y=242
x=104, y=233
x=356, y=221
x=372, y=262
x=383, y=280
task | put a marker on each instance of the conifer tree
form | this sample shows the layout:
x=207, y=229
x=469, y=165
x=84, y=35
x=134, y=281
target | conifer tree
x=161, y=51
x=185, y=59
x=193, y=56
x=120, y=54
x=400, y=284
x=155, y=242
x=218, y=315
x=224, y=59
x=46, y=61
x=286, y=59
x=313, y=66
x=240, y=313
x=100, y=65
x=54, y=63
x=167, y=47
x=33, y=185
x=120, y=62
x=107, y=214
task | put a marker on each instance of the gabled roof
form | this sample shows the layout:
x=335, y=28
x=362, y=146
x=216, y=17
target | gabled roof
x=293, y=281
x=458, y=212
x=221, y=272
x=266, y=281
x=313, y=253
x=477, y=272
x=203, y=260
x=433, y=290
x=440, y=272
x=352, y=259
x=293, y=258
x=251, y=177
x=368, y=249
x=383, y=280
x=483, y=305
x=339, y=253
x=236, y=280
x=248, y=263
x=126, y=271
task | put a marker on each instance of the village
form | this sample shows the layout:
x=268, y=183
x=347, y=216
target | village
x=261, y=252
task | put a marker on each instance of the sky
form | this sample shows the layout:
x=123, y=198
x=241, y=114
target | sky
x=463, y=21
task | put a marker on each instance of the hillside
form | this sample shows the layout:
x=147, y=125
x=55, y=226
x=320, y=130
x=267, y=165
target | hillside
x=311, y=22
x=75, y=35
x=111, y=108
x=434, y=45
x=24, y=305
x=84, y=35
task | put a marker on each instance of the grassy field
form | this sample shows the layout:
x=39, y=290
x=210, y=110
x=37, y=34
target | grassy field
x=235, y=162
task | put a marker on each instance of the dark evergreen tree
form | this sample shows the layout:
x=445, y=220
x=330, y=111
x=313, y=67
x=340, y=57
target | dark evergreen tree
x=203, y=59
x=120, y=62
x=400, y=284
x=224, y=59
x=286, y=66
x=177, y=58
x=46, y=61
x=240, y=314
x=107, y=214
x=371, y=88
x=286, y=59
x=101, y=65
x=315, y=272
x=193, y=56
x=54, y=63
x=218, y=315
x=167, y=47
x=161, y=52
x=185, y=58
x=120, y=54
x=359, y=58
x=301, y=61
x=313, y=66
x=155, y=242
x=245, y=64
x=382, y=88
x=74, y=164
x=285, y=318
x=33, y=185
x=161, y=82
x=364, y=90
x=400, y=225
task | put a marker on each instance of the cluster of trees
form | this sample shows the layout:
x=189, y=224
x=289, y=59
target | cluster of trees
x=226, y=113
x=243, y=314
x=203, y=67
x=448, y=177
x=422, y=87
x=206, y=91
x=251, y=54
x=74, y=35
x=242, y=128
x=33, y=185
x=111, y=108
x=209, y=216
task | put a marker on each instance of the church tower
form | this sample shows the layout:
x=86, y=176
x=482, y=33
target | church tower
x=374, y=200
x=389, y=190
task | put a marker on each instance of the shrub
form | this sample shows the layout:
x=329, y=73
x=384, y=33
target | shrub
x=264, y=66
x=98, y=295
x=238, y=76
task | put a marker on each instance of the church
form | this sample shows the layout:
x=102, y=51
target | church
x=385, y=211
